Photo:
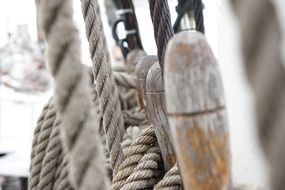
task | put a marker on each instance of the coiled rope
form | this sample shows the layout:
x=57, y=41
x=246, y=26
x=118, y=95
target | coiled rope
x=108, y=94
x=163, y=31
x=42, y=142
x=73, y=96
x=77, y=119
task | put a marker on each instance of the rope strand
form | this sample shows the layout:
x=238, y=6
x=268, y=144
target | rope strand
x=108, y=94
x=163, y=31
x=73, y=97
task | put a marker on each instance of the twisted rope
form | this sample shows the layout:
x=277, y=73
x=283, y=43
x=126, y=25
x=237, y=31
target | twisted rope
x=132, y=157
x=261, y=42
x=185, y=6
x=163, y=31
x=105, y=85
x=50, y=160
x=37, y=130
x=171, y=180
x=62, y=175
x=73, y=96
x=148, y=171
x=198, y=14
x=43, y=140
x=125, y=80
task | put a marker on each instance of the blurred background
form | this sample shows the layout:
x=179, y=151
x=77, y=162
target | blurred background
x=25, y=84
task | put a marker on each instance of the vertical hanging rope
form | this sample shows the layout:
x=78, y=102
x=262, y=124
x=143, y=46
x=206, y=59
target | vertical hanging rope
x=185, y=6
x=73, y=96
x=261, y=47
x=163, y=30
x=109, y=103
x=199, y=17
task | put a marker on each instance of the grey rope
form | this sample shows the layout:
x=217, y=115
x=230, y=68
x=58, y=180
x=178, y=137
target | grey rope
x=43, y=140
x=261, y=42
x=109, y=103
x=38, y=129
x=133, y=155
x=125, y=80
x=162, y=26
x=51, y=158
x=73, y=96
x=148, y=171
x=199, y=17
x=171, y=180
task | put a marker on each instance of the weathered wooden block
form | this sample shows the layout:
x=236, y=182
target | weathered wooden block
x=196, y=113
x=155, y=106
x=142, y=69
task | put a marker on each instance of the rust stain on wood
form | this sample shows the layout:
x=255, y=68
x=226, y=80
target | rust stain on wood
x=204, y=158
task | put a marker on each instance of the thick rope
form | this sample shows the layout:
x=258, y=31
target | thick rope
x=132, y=157
x=198, y=14
x=43, y=140
x=105, y=84
x=50, y=161
x=73, y=96
x=38, y=129
x=62, y=175
x=125, y=80
x=171, y=180
x=163, y=31
x=148, y=171
x=261, y=44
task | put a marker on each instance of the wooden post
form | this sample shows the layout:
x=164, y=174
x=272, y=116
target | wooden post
x=196, y=113
x=155, y=106
x=142, y=69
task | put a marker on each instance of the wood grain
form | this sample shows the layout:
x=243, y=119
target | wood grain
x=142, y=69
x=155, y=106
x=196, y=112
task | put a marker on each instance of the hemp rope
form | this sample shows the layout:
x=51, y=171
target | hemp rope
x=162, y=27
x=38, y=129
x=171, y=180
x=261, y=47
x=148, y=171
x=50, y=160
x=132, y=157
x=73, y=97
x=125, y=80
x=42, y=142
x=109, y=103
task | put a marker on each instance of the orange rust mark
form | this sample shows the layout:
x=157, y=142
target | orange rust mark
x=171, y=160
x=180, y=50
x=203, y=157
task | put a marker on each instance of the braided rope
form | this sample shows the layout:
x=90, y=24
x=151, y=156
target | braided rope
x=43, y=140
x=163, y=31
x=105, y=84
x=73, y=96
x=261, y=42
x=132, y=157
x=171, y=180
